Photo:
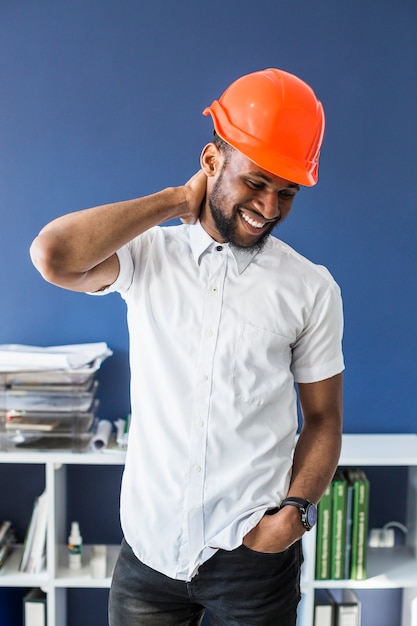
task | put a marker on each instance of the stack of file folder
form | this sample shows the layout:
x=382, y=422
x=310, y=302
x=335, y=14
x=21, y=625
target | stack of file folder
x=48, y=396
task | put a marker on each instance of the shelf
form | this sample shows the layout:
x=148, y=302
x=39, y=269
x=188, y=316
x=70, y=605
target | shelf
x=82, y=578
x=64, y=458
x=388, y=568
x=11, y=577
x=379, y=450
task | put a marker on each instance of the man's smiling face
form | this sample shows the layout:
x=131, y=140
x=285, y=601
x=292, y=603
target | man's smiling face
x=245, y=202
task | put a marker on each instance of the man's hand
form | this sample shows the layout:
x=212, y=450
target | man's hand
x=195, y=191
x=275, y=533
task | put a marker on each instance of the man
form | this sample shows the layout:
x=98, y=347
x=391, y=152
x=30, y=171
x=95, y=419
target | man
x=223, y=319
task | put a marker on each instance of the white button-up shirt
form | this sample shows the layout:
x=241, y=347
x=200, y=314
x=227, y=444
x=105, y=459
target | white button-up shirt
x=217, y=338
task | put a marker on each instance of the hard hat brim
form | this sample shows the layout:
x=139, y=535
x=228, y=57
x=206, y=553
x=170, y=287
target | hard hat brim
x=268, y=159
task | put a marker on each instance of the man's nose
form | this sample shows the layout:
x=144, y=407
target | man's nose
x=268, y=205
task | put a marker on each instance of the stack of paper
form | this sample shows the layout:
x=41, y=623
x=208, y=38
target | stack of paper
x=16, y=357
x=48, y=396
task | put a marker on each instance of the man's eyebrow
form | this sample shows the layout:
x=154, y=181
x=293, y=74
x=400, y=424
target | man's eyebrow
x=267, y=179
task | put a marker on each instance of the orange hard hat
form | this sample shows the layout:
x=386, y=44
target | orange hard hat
x=274, y=119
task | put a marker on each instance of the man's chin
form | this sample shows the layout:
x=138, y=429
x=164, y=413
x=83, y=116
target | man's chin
x=255, y=246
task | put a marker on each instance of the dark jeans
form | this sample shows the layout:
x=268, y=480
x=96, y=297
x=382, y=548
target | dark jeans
x=236, y=588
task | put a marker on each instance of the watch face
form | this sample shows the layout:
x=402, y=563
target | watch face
x=311, y=515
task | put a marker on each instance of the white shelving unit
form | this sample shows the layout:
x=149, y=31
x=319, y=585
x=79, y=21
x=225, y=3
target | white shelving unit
x=387, y=568
x=57, y=577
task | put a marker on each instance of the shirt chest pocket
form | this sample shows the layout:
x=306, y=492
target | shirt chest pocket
x=261, y=366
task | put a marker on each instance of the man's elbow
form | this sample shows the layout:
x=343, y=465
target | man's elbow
x=47, y=259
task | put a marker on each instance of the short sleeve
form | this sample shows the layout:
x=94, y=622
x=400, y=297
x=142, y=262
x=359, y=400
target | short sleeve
x=317, y=352
x=124, y=279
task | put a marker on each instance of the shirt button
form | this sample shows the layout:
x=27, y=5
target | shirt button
x=205, y=379
x=209, y=333
x=219, y=248
x=214, y=289
x=197, y=469
x=201, y=424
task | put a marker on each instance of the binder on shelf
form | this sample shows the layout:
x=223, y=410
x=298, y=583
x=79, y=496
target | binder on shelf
x=37, y=554
x=34, y=608
x=324, y=608
x=33, y=558
x=323, y=541
x=7, y=540
x=348, y=607
x=360, y=510
x=27, y=545
x=342, y=527
x=339, y=498
x=4, y=529
x=349, y=524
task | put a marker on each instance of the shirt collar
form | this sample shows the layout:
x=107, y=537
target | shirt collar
x=201, y=241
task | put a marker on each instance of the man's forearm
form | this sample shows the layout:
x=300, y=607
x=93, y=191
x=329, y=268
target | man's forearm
x=315, y=460
x=318, y=448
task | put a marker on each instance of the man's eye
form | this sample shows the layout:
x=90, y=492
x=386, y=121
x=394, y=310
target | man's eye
x=253, y=184
x=287, y=195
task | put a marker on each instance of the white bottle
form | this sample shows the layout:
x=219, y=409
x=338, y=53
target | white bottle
x=75, y=547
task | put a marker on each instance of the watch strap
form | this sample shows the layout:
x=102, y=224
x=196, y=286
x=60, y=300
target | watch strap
x=306, y=509
x=300, y=502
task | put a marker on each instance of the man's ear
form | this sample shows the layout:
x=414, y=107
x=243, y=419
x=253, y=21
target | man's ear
x=211, y=159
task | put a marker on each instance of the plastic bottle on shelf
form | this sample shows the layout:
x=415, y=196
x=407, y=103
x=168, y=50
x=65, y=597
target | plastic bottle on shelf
x=75, y=547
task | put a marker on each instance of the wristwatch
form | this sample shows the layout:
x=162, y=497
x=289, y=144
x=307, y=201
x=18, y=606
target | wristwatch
x=308, y=510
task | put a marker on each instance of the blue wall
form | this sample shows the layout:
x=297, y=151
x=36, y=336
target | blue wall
x=101, y=101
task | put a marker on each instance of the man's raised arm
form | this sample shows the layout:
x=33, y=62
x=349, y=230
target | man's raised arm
x=77, y=251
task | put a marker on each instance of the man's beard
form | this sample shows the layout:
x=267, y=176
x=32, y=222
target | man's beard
x=227, y=225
